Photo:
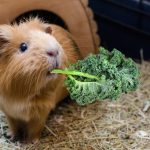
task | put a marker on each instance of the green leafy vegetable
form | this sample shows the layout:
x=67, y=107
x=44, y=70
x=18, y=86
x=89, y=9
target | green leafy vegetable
x=102, y=76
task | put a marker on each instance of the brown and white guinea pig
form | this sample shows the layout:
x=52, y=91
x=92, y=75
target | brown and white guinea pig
x=28, y=91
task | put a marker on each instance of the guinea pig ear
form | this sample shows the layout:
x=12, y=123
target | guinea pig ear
x=3, y=41
x=4, y=35
x=48, y=30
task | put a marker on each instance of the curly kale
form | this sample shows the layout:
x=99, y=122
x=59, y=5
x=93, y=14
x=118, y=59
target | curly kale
x=102, y=76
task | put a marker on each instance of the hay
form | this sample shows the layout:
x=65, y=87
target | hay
x=107, y=125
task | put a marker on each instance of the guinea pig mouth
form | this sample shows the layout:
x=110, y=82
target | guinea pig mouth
x=51, y=75
x=49, y=72
x=55, y=66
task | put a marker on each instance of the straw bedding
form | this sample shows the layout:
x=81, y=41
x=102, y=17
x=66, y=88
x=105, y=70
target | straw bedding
x=119, y=125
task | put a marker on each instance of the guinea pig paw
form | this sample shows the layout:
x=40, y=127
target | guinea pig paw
x=18, y=139
x=35, y=141
x=12, y=138
x=8, y=134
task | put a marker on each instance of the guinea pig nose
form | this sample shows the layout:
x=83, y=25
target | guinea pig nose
x=52, y=53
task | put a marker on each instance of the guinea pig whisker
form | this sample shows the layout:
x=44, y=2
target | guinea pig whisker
x=30, y=83
x=66, y=42
x=39, y=75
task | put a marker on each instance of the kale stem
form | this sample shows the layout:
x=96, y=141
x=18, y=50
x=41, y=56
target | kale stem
x=75, y=73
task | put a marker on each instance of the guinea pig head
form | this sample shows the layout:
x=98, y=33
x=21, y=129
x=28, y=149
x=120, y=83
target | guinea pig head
x=28, y=53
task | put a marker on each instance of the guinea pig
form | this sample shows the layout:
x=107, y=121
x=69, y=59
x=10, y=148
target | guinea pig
x=28, y=89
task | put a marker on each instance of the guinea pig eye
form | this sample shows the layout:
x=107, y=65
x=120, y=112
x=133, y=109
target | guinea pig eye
x=23, y=47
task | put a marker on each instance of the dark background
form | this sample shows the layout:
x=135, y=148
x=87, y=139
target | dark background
x=124, y=24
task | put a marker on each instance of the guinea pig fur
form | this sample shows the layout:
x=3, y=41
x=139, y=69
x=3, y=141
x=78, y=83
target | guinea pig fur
x=28, y=90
